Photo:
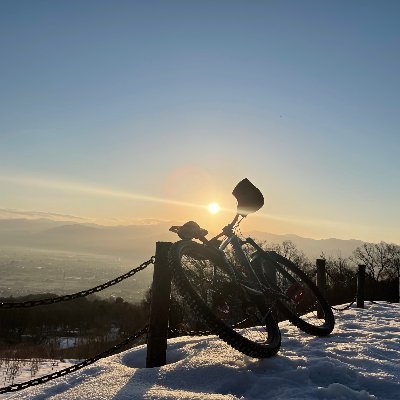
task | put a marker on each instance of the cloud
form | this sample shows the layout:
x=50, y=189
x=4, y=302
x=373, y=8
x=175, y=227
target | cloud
x=60, y=185
x=11, y=213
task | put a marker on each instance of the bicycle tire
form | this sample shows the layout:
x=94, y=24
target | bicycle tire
x=188, y=287
x=299, y=308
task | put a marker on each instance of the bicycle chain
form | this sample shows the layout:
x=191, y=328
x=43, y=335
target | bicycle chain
x=83, y=293
x=46, y=378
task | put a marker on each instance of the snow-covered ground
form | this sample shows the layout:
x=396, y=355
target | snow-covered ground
x=359, y=360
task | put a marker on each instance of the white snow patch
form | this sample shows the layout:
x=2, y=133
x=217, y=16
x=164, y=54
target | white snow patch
x=358, y=361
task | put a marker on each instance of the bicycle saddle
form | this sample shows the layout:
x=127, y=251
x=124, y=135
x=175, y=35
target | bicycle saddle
x=189, y=230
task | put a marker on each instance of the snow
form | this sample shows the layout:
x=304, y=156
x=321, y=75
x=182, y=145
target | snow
x=358, y=361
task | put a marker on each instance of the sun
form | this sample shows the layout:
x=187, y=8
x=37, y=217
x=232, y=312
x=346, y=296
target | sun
x=213, y=208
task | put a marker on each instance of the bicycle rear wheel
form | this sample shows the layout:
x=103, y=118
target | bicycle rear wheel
x=297, y=296
x=211, y=289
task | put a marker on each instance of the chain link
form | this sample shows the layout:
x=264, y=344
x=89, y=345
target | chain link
x=352, y=301
x=175, y=332
x=346, y=307
x=46, y=378
x=341, y=282
x=172, y=332
x=83, y=293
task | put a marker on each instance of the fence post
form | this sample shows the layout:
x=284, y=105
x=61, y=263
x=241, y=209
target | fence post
x=159, y=308
x=321, y=282
x=398, y=280
x=398, y=284
x=360, y=286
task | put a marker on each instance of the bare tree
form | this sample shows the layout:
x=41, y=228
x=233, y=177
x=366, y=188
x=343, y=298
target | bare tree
x=381, y=259
x=339, y=269
x=290, y=251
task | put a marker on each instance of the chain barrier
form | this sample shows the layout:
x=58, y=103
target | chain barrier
x=332, y=278
x=346, y=307
x=46, y=378
x=347, y=282
x=83, y=293
x=173, y=332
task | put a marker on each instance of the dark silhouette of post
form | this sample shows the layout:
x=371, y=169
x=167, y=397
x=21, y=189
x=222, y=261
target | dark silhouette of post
x=360, y=286
x=321, y=282
x=397, y=261
x=159, y=308
x=398, y=279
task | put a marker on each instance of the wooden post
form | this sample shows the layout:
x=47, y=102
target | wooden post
x=321, y=282
x=159, y=308
x=398, y=280
x=360, y=286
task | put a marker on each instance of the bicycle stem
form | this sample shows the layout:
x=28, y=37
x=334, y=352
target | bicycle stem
x=227, y=230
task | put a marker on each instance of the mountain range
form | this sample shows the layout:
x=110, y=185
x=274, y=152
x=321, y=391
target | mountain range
x=133, y=241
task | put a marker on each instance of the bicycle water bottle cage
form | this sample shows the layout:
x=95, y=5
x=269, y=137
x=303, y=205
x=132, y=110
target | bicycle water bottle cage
x=189, y=230
x=249, y=198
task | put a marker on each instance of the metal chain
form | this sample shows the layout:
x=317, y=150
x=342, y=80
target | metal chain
x=83, y=293
x=341, y=282
x=172, y=332
x=346, y=307
x=352, y=301
x=46, y=378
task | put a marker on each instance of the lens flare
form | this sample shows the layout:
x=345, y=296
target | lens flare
x=213, y=208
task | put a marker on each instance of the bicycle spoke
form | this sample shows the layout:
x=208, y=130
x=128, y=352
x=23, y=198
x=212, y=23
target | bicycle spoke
x=223, y=295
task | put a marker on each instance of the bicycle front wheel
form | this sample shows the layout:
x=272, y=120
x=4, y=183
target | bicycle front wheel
x=209, y=285
x=297, y=296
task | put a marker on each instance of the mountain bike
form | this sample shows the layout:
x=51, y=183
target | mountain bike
x=241, y=290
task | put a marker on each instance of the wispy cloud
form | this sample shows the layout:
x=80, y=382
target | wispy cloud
x=91, y=190
x=12, y=213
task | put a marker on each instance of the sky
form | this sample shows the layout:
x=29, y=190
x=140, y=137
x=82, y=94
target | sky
x=117, y=112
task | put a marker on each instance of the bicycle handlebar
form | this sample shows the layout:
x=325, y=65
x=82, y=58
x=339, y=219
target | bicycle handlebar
x=226, y=231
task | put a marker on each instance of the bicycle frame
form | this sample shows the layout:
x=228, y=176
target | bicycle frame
x=240, y=254
x=255, y=293
x=244, y=261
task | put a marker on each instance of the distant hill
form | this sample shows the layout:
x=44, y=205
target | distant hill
x=133, y=241
x=20, y=225
x=127, y=242
x=313, y=247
